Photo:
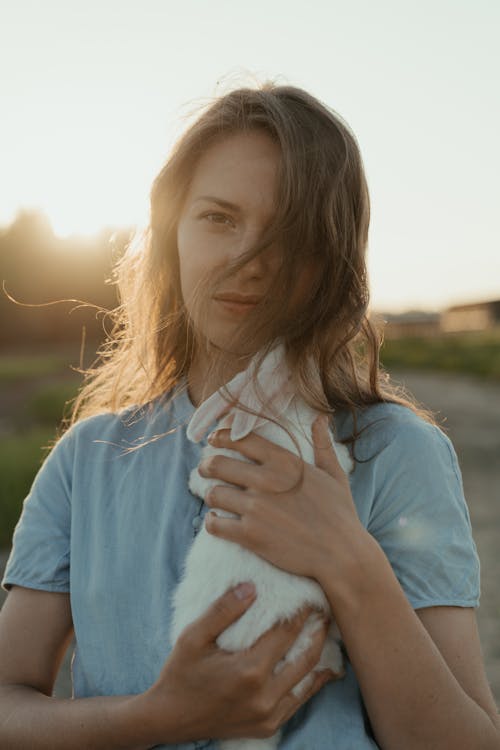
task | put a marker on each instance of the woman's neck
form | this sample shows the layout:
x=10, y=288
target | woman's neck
x=201, y=382
x=197, y=388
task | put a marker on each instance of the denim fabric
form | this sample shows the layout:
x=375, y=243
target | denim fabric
x=112, y=526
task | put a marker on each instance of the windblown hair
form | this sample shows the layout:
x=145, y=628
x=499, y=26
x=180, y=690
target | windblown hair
x=321, y=220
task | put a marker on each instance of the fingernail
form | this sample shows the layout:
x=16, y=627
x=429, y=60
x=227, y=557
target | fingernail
x=244, y=590
x=212, y=437
x=325, y=675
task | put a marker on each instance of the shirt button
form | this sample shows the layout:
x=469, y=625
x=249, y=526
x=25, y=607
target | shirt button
x=196, y=522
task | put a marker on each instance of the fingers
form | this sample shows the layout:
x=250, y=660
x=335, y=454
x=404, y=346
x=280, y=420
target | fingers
x=293, y=672
x=290, y=703
x=280, y=688
x=231, y=499
x=324, y=454
x=274, y=644
x=277, y=477
x=253, y=446
x=232, y=470
x=222, y=612
x=267, y=697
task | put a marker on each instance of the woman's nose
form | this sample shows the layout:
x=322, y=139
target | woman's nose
x=258, y=266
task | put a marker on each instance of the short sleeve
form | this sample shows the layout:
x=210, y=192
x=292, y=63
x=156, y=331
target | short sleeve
x=421, y=520
x=40, y=555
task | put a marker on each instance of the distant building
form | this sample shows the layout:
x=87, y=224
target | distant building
x=477, y=316
x=474, y=317
x=411, y=323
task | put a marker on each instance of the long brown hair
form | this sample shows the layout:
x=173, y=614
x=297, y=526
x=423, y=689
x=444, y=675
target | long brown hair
x=322, y=217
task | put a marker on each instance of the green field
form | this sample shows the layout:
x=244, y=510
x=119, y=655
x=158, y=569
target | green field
x=34, y=389
x=475, y=353
x=15, y=367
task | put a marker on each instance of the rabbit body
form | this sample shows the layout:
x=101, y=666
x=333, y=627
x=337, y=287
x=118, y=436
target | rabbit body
x=214, y=564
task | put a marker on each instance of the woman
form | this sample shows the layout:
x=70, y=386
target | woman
x=259, y=226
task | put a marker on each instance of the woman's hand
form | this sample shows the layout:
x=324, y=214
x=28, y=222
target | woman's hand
x=306, y=530
x=204, y=691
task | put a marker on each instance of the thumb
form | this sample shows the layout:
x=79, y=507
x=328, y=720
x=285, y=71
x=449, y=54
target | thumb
x=324, y=454
x=224, y=611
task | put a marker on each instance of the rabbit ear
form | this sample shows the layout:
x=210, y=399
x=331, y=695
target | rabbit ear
x=212, y=409
x=273, y=380
x=203, y=417
x=243, y=422
x=272, y=377
x=281, y=402
x=274, y=374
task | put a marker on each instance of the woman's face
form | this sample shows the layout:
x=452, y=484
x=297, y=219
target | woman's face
x=230, y=200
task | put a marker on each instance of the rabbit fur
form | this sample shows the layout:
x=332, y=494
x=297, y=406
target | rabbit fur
x=213, y=564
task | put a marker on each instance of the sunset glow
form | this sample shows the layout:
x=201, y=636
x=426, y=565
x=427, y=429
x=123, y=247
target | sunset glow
x=96, y=94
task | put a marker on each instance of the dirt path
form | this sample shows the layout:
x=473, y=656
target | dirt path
x=472, y=411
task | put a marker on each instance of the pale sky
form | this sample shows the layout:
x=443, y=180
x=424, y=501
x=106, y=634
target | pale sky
x=93, y=94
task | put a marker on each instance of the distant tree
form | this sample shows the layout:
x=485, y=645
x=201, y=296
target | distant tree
x=38, y=267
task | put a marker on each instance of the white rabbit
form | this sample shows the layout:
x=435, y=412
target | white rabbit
x=213, y=564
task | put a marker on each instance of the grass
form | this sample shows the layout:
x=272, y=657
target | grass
x=476, y=353
x=47, y=404
x=30, y=423
x=25, y=367
x=20, y=459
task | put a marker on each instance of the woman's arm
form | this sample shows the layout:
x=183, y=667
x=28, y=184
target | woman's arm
x=423, y=688
x=202, y=691
x=421, y=674
x=35, y=631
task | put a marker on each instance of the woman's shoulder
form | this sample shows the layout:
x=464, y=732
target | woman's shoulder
x=383, y=425
x=104, y=422
x=125, y=425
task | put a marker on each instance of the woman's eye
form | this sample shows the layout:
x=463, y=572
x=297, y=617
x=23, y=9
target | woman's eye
x=218, y=218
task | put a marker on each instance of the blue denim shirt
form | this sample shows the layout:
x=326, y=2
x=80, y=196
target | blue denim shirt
x=112, y=527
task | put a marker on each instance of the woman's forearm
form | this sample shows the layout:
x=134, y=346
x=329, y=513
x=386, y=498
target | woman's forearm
x=31, y=719
x=412, y=698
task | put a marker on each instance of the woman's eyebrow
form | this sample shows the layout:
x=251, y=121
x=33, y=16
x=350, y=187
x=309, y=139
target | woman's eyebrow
x=220, y=202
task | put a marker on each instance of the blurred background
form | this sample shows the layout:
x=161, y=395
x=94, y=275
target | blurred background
x=93, y=97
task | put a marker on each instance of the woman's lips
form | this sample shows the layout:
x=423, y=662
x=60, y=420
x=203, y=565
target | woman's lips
x=236, y=307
